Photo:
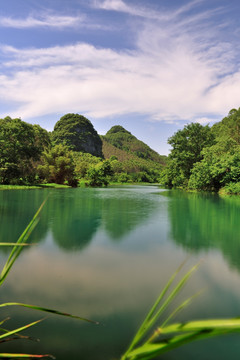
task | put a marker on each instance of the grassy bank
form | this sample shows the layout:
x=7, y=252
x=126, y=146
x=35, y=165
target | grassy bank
x=23, y=187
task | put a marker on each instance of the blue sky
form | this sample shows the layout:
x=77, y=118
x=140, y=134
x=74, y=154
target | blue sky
x=151, y=66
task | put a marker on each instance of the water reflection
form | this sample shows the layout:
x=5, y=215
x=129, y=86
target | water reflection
x=73, y=216
x=204, y=222
x=127, y=260
x=75, y=219
x=16, y=211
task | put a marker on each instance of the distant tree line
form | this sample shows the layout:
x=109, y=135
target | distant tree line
x=204, y=158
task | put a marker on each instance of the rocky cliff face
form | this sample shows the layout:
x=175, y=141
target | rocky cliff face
x=78, y=133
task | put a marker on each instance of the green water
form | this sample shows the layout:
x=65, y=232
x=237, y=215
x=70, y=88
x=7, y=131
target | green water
x=105, y=254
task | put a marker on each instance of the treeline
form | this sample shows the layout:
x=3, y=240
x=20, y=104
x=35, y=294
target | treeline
x=73, y=152
x=204, y=158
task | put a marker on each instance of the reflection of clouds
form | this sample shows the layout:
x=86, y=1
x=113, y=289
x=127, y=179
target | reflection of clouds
x=105, y=281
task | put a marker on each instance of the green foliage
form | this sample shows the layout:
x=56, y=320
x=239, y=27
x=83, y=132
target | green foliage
x=42, y=138
x=172, y=176
x=78, y=133
x=123, y=178
x=187, y=146
x=57, y=166
x=100, y=174
x=82, y=163
x=124, y=140
x=204, y=158
x=231, y=188
x=125, y=162
x=19, y=149
x=29, y=154
x=151, y=341
x=220, y=164
x=229, y=126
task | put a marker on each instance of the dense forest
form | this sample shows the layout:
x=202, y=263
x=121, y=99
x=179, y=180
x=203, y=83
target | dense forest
x=206, y=158
x=73, y=153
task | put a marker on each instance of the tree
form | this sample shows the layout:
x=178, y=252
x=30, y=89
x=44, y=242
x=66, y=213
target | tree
x=42, y=138
x=100, y=174
x=220, y=166
x=187, y=146
x=58, y=166
x=229, y=126
x=18, y=151
x=83, y=161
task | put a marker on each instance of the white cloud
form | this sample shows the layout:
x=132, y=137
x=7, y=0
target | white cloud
x=178, y=70
x=47, y=20
x=121, y=6
x=204, y=120
x=146, y=12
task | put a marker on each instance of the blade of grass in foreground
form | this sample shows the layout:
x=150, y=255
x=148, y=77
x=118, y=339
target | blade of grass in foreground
x=17, y=248
x=26, y=356
x=12, y=332
x=189, y=332
x=158, y=308
x=167, y=337
x=47, y=310
x=13, y=244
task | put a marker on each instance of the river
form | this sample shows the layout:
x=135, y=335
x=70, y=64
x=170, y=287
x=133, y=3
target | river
x=105, y=254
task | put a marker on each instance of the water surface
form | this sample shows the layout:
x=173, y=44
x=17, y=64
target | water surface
x=105, y=254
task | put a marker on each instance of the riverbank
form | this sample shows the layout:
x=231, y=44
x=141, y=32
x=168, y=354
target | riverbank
x=40, y=186
x=61, y=186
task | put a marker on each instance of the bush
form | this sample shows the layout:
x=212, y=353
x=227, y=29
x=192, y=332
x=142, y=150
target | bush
x=232, y=188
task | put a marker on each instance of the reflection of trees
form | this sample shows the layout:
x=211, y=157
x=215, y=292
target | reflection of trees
x=76, y=215
x=73, y=215
x=17, y=208
x=201, y=221
x=122, y=213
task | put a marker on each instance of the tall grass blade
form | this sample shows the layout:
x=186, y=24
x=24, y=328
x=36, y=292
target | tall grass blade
x=156, y=309
x=13, y=332
x=47, y=310
x=142, y=329
x=26, y=356
x=19, y=245
x=168, y=337
x=201, y=331
x=172, y=295
x=13, y=244
x=200, y=325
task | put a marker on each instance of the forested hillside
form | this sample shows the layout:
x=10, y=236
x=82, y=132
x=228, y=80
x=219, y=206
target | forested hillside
x=124, y=140
x=72, y=153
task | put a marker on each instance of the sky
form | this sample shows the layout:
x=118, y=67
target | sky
x=151, y=66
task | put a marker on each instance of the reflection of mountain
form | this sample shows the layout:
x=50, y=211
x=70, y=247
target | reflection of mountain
x=123, y=210
x=76, y=217
x=204, y=221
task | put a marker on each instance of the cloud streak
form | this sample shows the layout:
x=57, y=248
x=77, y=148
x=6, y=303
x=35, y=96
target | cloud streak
x=43, y=21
